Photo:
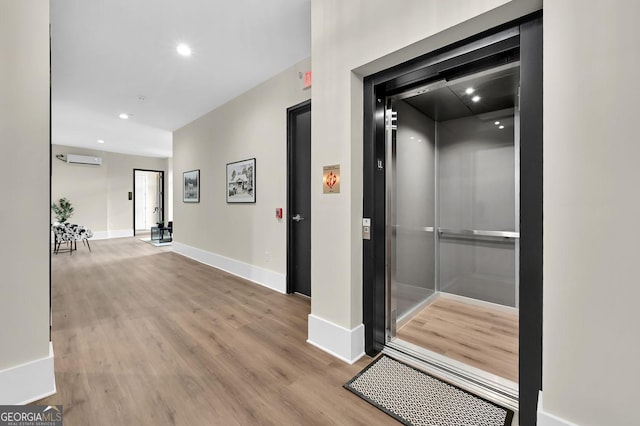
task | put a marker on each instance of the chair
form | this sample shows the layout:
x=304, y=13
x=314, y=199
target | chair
x=82, y=233
x=62, y=234
x=158, y=233
x=70, y=234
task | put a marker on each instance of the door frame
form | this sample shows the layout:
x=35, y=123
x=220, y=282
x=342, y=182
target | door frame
x=133, y=198
x=421, y=70
x=291, y=112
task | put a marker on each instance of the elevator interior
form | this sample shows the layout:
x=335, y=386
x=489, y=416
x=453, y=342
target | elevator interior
x=453, y=196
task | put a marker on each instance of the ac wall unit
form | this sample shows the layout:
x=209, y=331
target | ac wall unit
x=84, y=159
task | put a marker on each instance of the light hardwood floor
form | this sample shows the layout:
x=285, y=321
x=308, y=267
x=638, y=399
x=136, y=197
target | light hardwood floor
x=143, y=336
x=478, y=336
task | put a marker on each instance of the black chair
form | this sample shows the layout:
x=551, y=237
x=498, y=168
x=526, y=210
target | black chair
x=158, y=233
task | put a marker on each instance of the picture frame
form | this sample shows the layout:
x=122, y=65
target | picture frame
x=191, y=186
x=241, y=181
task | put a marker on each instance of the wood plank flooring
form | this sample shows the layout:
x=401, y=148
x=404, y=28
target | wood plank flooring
x=143, y=336
x=477, y=336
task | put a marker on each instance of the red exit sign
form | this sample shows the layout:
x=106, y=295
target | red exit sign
x=307, y=79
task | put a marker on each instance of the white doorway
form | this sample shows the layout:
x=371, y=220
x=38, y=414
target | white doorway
x=148, y=200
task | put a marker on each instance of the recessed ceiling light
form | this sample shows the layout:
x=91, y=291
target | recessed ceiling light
x=469, y=90
x=183, y=49
x=501, y=127
x=496, y=123
x=100, y=141
x=410, y=137
x=476, y=98
x=124, y=116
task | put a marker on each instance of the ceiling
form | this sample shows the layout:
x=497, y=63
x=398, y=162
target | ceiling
x=114, y=56
x=497, y=90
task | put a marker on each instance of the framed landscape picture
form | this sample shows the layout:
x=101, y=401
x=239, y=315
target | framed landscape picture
x=241, y=181
x=191, y=186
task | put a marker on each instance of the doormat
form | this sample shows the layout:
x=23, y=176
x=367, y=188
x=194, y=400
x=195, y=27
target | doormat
x=155, y=243
x=416, y=398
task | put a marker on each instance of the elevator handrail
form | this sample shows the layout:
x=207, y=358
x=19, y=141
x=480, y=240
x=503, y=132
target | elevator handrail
x=508, y=235
x=413, y=228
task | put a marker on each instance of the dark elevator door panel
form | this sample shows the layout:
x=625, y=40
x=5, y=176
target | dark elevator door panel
x=299, y=214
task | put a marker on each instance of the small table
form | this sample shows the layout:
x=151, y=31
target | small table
x=162, y=234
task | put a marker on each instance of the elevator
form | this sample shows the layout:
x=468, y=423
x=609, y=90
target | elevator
x=452, y=272
x=452, y=225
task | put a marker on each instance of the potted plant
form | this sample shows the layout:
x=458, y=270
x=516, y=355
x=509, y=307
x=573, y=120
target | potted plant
x=62, y=209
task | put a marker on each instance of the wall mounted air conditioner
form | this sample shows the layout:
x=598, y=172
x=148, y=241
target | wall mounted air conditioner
x=84, y=159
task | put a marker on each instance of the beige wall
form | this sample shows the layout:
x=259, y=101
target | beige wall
x=99, y=194
x=251, y=125
x=24, y=181
x=591, y=211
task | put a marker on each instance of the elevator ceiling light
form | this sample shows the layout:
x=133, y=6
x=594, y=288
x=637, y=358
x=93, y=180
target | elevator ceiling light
x=469, y=90
x=124, y=116
x=501, y=127
x=100, y=141
x=476, y=98
x=496, y=123
x=183, y=49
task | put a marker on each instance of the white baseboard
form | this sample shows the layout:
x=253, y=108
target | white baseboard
x=113, y=233
x=28, y=382
x=548, y=419
x=258, y=275
x=346, y=345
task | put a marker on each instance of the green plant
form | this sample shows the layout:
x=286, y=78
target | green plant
x=62, y=209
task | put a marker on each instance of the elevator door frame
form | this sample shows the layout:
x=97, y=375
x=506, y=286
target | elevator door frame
x=526, y=35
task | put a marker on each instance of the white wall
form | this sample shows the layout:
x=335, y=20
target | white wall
x=99, y=194
x=591, y=211
x=24, y=185
x=251, y=125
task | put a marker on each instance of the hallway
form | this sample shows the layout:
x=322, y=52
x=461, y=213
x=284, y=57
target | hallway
x=145, y=336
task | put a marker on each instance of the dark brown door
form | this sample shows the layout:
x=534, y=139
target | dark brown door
x=299, y=199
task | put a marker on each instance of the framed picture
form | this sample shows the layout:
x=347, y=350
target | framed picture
x=191, y=186
x=241, y=181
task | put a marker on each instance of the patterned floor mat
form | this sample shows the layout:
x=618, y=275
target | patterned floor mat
x=416, y=398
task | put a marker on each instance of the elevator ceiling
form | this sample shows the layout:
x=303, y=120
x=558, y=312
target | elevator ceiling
x=497, y=89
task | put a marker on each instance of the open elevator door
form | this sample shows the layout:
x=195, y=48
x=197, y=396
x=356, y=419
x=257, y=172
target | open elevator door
x=447, y=226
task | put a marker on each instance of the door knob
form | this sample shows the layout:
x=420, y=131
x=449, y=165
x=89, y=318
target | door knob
x=297, y=218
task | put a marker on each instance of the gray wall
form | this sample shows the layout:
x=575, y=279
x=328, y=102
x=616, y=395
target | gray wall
x=99, y=194
x=477, y=191
x=24, y=181
x=251, y=125
x=413, y=207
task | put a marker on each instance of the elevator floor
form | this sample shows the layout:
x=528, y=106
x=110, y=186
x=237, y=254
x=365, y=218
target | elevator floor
x=482, y=337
